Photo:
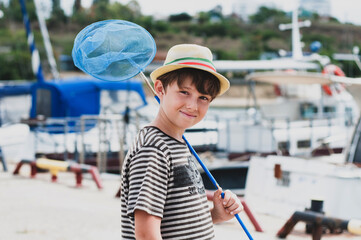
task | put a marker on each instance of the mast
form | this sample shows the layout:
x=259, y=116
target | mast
x=46, y=38
x=35, y=57
x=296, y=36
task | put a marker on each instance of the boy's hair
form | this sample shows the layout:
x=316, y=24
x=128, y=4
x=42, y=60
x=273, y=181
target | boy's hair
x=205, y=82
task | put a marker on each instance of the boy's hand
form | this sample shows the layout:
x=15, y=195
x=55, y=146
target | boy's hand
x=225, y=208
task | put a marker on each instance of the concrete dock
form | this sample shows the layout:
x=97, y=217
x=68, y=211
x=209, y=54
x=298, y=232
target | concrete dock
x=38, y=209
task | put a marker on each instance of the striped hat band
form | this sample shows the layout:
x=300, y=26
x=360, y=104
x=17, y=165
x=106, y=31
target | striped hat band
x=193, y=61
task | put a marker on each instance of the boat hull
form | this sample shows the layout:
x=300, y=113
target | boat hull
x=298, y=181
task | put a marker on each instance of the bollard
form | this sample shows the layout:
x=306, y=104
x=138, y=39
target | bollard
x=319, y=222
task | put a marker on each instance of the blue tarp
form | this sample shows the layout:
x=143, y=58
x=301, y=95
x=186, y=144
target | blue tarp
x=14, y=90
x=75, y=97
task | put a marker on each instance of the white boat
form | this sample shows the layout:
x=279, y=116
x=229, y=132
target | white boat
x=280, y=185
x=301, y=119
x=303, y=179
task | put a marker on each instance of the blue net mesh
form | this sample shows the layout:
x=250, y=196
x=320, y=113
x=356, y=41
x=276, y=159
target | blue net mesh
x=113, y=50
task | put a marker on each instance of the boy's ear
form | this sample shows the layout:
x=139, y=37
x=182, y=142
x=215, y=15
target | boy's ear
x=158, y=88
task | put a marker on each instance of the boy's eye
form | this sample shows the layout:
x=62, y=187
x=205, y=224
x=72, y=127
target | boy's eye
x=204, y=98
x=183, y=92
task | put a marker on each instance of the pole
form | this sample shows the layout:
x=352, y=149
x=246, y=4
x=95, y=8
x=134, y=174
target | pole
x=46, y=38
x=35, y=57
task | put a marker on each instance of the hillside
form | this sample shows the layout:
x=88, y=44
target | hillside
x=229, y=37
x=257, y=39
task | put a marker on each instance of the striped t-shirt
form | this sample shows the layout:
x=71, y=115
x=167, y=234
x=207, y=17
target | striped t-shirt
x=160, y=177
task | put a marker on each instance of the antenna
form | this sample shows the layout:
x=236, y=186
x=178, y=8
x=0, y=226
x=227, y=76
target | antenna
x=296, y=37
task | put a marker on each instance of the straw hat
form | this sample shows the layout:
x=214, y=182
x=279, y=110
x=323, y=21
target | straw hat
x=190, y=56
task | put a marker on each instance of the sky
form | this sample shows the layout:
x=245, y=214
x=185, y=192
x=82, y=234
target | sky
x=343, y=10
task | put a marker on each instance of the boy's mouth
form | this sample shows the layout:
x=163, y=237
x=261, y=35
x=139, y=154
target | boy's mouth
x=188, y=114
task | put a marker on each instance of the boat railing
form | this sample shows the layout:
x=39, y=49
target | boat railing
x=82, y=138
x=113, y=134
x=276, y=134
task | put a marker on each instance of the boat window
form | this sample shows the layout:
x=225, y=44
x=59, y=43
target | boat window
x=284, y=145
x=304, y=144
x=308, y=110
x=348, y=116
x=43, y=102
x=284, y=180
x=329, y=109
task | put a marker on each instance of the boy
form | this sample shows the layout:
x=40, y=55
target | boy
x=162, y=195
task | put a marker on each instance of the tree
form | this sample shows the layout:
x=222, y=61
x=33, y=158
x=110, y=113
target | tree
x=57, y=16
x=77, y=7
x=3, y=15
x=14, y=12
x=17, y=61
x=203, y=17
x=80, y=15
x=100, y=10
x=182, y=17
x=118, y=11
x=265, y=14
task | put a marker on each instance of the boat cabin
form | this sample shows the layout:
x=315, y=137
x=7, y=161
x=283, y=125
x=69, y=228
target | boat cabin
x=79, y=96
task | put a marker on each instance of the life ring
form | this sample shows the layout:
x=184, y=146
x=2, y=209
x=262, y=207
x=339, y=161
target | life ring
x=332, y=69
x=327, y=89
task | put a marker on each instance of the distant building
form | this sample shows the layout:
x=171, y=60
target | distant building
x=216, y=14
x=321, y=7
x=244, y=8
x=135, y=7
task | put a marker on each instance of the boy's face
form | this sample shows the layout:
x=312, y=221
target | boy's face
x=183, y=105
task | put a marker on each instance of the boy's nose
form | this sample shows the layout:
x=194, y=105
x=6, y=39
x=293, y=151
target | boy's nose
x=192, y=104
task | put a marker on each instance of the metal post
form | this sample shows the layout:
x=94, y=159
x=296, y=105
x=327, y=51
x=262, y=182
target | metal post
x=288, y=134
x=1, y=123
x=82, y=130
x=228, y=136
x=273, y=140
x=121, y=147
x=3, y=161
x=311, y=133
x=99, y=145
x=66, y=130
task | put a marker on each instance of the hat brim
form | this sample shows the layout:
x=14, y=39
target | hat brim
x=224, y=83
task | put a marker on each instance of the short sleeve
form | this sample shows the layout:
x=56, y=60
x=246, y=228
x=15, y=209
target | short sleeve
x=148, y=181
